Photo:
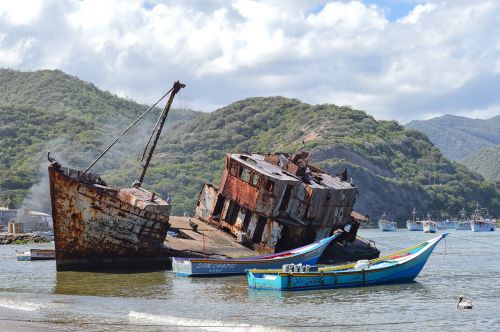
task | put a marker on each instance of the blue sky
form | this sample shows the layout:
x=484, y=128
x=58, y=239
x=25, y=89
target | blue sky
x=395, y=9
x=402, y=60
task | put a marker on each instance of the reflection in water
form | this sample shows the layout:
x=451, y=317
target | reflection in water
x=340, y=295
x=147, y=285
x=112, y=301
x=227, y=289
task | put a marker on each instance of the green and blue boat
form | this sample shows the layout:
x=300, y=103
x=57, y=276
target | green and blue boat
x=400, y=267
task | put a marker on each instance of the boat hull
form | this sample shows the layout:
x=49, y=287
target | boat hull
x=414, y=226
x=384, y=272
x=482, y=227
x=192, y=267
x=462, y=225
x=387, y=227
x=445, y=224
x=35, y=254
x=430, y=228
x=98, y=227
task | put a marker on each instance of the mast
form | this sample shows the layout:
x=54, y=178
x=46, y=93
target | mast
x=159, y=125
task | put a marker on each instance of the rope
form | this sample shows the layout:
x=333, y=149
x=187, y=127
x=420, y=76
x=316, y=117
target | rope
x=126, y=130
x=485, y=243
x=150, y=138
x=401, y=249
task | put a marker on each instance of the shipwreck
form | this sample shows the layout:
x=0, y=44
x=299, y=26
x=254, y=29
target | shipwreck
x=264, y=204
x=97, y=226
x=277, y=202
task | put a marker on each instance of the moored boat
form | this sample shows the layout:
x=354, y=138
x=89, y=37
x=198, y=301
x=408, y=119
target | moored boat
x=385, y=225
x=445, y=224
x=480, y=224
x=192, y=267
x=462, y=224
x=429, y=225
x=402, y=266
x=35, y=254
x=414, y=224
x=485, y=225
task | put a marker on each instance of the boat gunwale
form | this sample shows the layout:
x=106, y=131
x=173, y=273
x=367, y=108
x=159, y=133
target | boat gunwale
x=112, y=192
x=314, y=246
x=341, y=269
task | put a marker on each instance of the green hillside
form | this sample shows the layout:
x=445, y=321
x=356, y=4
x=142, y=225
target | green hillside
x=458, y=136
x=486, y=162
x=395, y=169
x=50, y=110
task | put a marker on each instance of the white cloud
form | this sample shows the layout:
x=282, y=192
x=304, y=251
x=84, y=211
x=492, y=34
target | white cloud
x=20, y=12
x=414, y=16
x=440, y=58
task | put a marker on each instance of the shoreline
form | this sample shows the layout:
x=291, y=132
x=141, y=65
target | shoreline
x=23, y=238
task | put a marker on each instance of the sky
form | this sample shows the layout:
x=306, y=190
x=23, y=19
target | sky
x=401, y=60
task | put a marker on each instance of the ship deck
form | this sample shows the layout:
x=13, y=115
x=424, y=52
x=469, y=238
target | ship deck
x=217, y=242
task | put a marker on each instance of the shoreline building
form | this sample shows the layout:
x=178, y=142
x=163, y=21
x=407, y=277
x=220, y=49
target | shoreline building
x=6, y=215
x=35, y=221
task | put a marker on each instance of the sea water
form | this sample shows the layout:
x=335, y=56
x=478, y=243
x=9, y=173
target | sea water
x=33, y=296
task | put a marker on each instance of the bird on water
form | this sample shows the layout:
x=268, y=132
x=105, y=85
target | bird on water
x=463, y=303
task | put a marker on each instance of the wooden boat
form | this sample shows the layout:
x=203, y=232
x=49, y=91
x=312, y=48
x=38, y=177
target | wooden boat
x=192, y=267
x=480, y=224
x=414, y=224
x=402, y=266
x=35, y=254
x=462, y=224
x=429, y=225
x=99, y=227
x=483, y=225
x=385, y=225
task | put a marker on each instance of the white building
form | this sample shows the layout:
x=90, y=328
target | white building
x=35, y=221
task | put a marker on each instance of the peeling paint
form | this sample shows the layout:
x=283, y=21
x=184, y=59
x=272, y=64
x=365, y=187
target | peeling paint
x=280, y=196
x=93, y=222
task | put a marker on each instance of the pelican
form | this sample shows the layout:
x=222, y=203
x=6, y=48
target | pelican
x=464, y=303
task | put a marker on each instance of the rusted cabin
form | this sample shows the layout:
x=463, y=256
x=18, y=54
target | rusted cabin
x=276, y=202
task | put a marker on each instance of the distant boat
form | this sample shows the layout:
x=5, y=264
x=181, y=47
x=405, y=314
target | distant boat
x=385, y=225
x=429, y=226
x=35, y=254
x=192, y=267
x=402, y=266
x=414, y=225
x=480, y=224
x=445, y=224
x=462, y=224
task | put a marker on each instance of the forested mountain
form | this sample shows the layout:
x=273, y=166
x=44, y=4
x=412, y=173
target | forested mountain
x=486, y=162
x=458, y=136
x=472, y=142
x=50, y=110
x=395, y=169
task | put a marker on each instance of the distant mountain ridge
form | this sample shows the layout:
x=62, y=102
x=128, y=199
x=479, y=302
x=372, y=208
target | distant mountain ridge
x=458, y=136
x=394, y=168
x=485, y=161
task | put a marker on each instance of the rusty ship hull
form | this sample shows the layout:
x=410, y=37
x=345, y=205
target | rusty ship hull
x=97, y=227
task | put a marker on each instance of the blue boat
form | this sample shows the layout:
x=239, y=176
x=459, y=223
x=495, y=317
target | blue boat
x=210, y=267
x=400, y=267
